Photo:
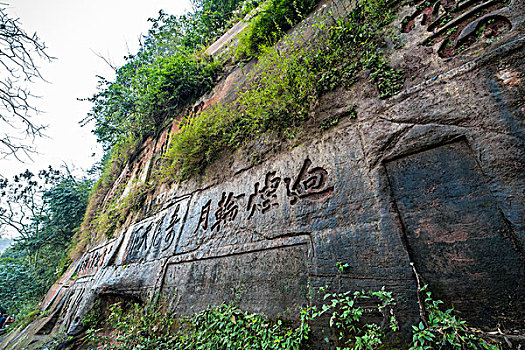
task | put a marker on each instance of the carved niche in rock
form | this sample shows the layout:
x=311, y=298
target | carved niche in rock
x=457, y=237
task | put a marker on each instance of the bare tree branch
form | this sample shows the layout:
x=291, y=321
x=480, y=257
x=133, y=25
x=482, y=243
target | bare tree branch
x=19, y=52
x=107, y=60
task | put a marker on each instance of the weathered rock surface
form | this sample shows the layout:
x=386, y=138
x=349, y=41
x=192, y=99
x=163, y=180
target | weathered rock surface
x=433, y=176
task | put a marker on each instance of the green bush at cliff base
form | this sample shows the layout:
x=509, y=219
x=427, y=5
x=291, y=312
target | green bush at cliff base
x=284, y=85
x=135, y=326
x=222, y=327
x=444, y=329
x=346, y=312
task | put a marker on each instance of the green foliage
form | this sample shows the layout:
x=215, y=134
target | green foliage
x=444, y=330
x=49, y=208
x=227, y=327
x=346, y=313
x=168, y=72
x=284, y=85
x=440, y=330
x=144, y=93
x=66, y=204
x=335, y=119
x=271, y=23
x=277, y=99
x=21, y=209
x=223, y=327
x=352, y=315
x=212, y=18
x=356, y=43
x=116, y=211
x=27, y=314
x=99, y=214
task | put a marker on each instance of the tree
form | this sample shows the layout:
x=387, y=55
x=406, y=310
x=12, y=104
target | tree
x=45, y=210
x=22, y=201
x=167, y=72
x=18, y=66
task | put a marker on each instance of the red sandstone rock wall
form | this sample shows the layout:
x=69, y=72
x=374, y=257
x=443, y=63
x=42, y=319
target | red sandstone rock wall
x=433, y=176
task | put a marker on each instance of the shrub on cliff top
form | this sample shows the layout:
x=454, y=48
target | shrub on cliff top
x=283, y=86
x=271, y=23
x=168, y=71
x=145, y=93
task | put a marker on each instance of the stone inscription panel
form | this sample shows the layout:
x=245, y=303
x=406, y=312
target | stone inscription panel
x=250, y=209
x=157, y=236
x=246, y=211
x=94, y=260
x=457, y=237
x=268, y=281
x=305, y=192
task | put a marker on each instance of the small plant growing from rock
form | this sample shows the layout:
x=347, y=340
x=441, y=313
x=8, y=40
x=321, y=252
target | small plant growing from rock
x=444, y=329
x=346, y=314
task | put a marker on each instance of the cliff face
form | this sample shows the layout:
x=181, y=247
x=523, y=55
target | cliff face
x=431, y=177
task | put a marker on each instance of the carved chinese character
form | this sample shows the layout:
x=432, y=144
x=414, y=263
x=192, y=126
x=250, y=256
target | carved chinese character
x=86, y=265
x=227, y=210
x=264, y=199
x=309, y=184
x=83, y=266
x=103, y=256
x=157, y=235
x=141, y=238
x=170, y=230
x=92, y=262
x=203, y=219
x=170, y=234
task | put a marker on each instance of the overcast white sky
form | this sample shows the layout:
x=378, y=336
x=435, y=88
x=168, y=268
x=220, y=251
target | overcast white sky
x=73, y=30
